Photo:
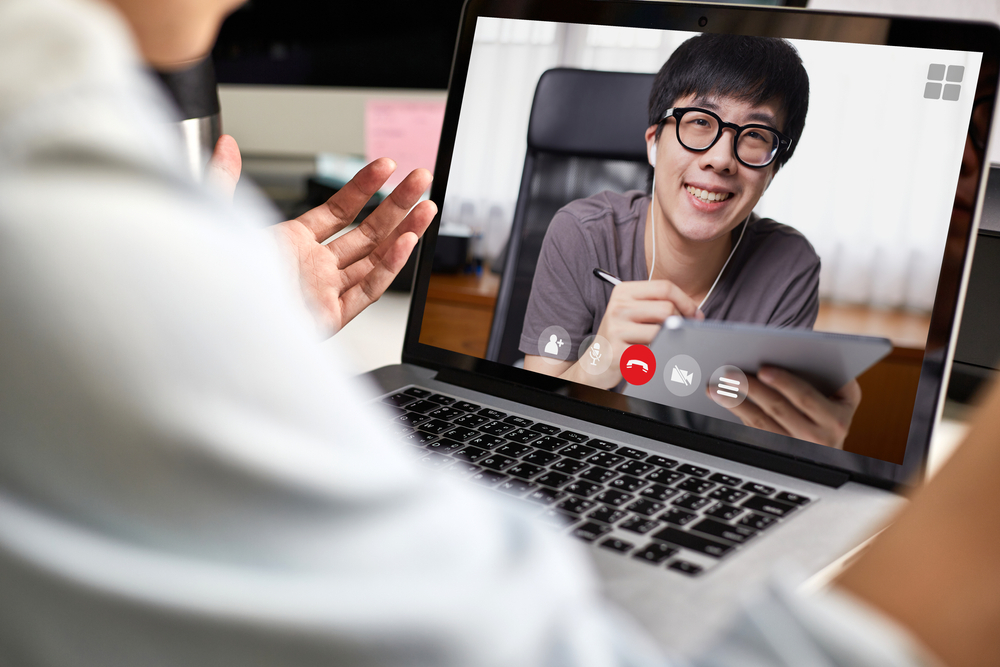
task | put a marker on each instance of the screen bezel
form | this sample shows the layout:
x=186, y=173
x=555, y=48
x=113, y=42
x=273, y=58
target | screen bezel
x=608, y=408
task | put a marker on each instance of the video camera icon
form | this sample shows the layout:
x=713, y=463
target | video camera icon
x=682, y=375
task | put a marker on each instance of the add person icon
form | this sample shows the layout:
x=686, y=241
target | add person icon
x=552, y=347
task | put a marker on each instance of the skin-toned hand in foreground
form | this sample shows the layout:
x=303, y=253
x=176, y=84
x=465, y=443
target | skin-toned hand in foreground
x=345, y=276
x=780, y=402
x=936, y=569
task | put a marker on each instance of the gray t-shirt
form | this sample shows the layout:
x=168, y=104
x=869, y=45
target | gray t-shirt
x=773, y=278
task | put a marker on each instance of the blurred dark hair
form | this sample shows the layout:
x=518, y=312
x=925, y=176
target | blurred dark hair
x=753, y=69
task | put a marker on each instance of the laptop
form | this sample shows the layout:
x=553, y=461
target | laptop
x=683, y=512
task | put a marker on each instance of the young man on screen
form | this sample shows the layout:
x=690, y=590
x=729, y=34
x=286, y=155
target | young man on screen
x=725, y=113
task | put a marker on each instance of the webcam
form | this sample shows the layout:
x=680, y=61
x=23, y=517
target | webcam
x=703, y=21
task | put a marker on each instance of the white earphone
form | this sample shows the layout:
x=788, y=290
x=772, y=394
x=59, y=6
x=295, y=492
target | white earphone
x=652, y=220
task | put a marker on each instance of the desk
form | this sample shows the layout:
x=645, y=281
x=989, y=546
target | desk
x=459, y=311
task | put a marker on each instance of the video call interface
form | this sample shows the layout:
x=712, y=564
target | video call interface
x=840, y=230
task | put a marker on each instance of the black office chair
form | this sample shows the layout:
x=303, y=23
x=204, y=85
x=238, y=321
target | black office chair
x=585, y=136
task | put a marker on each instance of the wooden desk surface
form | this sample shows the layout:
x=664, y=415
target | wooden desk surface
x=904, y=329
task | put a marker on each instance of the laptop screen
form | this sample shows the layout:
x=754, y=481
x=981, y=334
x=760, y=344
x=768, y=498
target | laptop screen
x=758, y=192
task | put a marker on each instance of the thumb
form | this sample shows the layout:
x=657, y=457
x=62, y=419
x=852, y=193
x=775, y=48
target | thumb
x=223, y=170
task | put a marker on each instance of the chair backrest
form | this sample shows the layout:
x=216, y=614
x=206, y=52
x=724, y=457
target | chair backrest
x=585, y=136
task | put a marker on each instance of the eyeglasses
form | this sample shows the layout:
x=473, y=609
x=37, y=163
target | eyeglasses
x=755, y=146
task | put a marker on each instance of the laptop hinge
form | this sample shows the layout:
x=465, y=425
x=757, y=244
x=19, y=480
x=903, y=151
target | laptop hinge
x=645, y=427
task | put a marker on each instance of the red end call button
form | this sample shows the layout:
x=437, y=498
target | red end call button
x=638, y=364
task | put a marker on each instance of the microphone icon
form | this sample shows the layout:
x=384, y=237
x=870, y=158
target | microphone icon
x=595, y=354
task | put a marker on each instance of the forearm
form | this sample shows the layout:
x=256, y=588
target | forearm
x=936, y=569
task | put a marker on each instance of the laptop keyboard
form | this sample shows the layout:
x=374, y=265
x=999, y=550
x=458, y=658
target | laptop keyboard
x=662, y=511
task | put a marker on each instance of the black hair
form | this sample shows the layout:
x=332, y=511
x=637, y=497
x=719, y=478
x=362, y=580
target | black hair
x=753, y=69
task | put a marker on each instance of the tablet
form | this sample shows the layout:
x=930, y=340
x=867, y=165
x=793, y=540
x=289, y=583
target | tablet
x=692, y=355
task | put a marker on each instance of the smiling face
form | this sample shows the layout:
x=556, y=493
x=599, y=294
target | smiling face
x=702, y=196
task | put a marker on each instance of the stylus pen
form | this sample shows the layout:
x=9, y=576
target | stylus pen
x=607, y=277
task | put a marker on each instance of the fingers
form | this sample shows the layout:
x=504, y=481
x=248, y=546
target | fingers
x=751, y=415
x=662, y=290
x=375, y=282
x=415, y=223
x=223, y=170
x=800, y=394
x=776, y=406
x=384, y=220
x=340, y=210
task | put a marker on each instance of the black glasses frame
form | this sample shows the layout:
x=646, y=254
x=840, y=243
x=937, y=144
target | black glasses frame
x=677, y=113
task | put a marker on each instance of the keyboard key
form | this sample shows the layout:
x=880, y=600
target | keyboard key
x=724, y=511
x=520, y=422
x=435, y=426
x=462, y=469
x=418, y=438
x=661, y=461
x=638, y=524
x=793, y=498
x=738, y=534
x=694, y=471
x=582, y=488
x=590, y=531
x=654, y=553
x=628, y=483
x=605, y=459
x=444, y=446
x=399, y=429
x=487, y=441
x=621, y=546
x=775, y=507
x=633, y=467
x=607, y=514
x=631, y=453
x=677, y=516
x=465, y=406
x=603, y=445
x=686, y=567
x=572, y=436
x=422, y=406
x=554, y=479
x=727, y=495
x=524, y=470
x=659, y=492
x=446, y=413
x=694, y=542
x=417, y=392
x=758, y=521
x=411, y=418
x=435, y=460
x=492, y=414
x=510, y=449
x=460, y=433
x=598, y=474
x=441, y=400
x=661, y=476
x=496, y=428
x=470, y=421
x=612, y=497
x=471, y=454
x=578, y=452
x=545, y=429
x=568, y=466
x=522, y=435
x=496, y=462
x=398, y=399
x=759, y=489
x=545, y=496
x=515, y=487
x=693, y=485
x=540, y=458
x=645, y=507
x=728, y=480
x=689, y=501
x=549, y=443
x=575, y=505
x=488, y=477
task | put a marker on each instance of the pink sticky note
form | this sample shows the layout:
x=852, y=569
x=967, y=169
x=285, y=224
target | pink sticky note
x=406, y=131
